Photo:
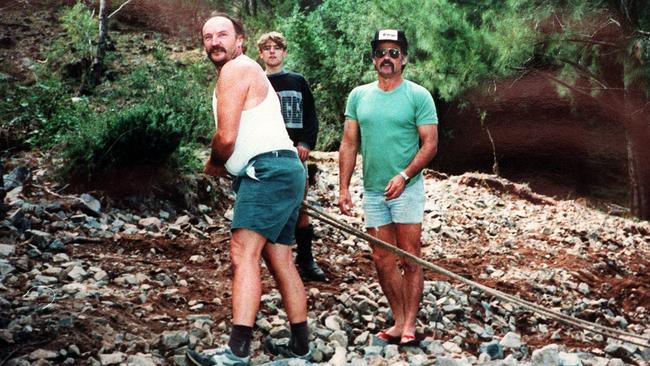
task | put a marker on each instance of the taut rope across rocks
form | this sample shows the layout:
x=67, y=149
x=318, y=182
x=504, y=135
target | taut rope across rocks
x=618, y=334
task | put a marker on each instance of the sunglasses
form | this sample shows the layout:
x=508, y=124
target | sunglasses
x=381, y=52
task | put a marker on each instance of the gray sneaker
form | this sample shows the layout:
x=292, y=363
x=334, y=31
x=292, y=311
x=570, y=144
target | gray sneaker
x=219, y=358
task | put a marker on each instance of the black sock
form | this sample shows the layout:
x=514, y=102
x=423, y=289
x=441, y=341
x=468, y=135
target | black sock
x=240, y=340
x=299, y=342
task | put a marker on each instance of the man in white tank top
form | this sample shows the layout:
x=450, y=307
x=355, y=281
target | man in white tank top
x=252, y=144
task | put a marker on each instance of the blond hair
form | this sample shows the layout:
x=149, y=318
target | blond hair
x=275, y=37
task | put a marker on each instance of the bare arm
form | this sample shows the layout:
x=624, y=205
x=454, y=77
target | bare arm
x=232, y=91
x=347, y=161
x=428, y=148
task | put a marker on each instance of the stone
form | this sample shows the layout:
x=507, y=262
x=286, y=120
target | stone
x=43, y=354
x=5, y=267
x=174, y=339
x=339, y=358
x=150, y=222
x=77, y=273
x=511, y=340
x=548, y=355
x=140, y=360
x=112, y=358
x=90, y=205
x=333, y=322
x=583, y=288
x=493, y=349
x=452, y=347
x=279, y=331
x=7, y=250
x=16, y=178
x=339, y=337
x=39, y=238
x=569, y=359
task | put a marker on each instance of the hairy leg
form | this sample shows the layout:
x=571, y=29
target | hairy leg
x=389, y=275
x=408, y=239
x=280, y=262
x=245, y=252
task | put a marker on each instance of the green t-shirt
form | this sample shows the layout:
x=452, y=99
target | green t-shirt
x=388, y=124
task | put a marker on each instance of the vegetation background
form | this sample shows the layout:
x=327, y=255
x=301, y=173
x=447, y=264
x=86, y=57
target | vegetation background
x=554, y=93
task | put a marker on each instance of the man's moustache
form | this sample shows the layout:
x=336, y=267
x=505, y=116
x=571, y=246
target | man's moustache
x=217, y=49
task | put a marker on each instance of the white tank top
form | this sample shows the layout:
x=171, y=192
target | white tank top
x=261, y=129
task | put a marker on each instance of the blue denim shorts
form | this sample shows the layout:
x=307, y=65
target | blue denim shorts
x=269, y=195
x=408, y=208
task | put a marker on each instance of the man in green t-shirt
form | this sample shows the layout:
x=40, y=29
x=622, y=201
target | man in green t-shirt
x=394, y=123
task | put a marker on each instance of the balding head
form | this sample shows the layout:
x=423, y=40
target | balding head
x=223, y=39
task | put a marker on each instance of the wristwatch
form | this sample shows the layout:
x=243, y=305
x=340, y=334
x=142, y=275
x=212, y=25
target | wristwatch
x=406, y=177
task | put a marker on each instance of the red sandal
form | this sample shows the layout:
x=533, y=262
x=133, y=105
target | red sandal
x=384, y=336
x=409, y=341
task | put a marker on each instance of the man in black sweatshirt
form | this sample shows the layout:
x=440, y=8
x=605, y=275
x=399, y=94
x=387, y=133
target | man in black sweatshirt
x=299, y=114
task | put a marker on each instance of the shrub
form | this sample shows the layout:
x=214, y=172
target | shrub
x=71, y=53
x=140, y=135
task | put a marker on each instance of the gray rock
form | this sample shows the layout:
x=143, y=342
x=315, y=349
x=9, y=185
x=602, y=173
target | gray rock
x=583, y=288
x=74, y=350
x=362, y=338
x=569, y=359
x=264, y=324
x=616, y=362
x=140, y=360
x=511, y=340
x=112, y=358
x=45, y=280
x=452, y=347
x=39, y=238
x=150, y=223
x=493, y=349
x=339, y=357
x=77, y=273
x=56, y=245
x=339, y=337
x=20, y=361
x=446, y=361
x=617, y=350
x=60, y=258
x=16, y=178
x=171, y=339
x=5, y=267
x=90, y=205
x=43, y=354
x=7, y=250
x=548, y=355
x=333, y=322
x=280, y=331
x=391, y=350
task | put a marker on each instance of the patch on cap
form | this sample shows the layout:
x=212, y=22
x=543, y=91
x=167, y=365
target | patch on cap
x=387, y=35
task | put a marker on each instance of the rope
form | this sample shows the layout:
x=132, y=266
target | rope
x=563, y=318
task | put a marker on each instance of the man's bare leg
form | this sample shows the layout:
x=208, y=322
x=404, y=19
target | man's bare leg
x=408, y=239
x=245, y=253
x=389, y=276
x=280, y=262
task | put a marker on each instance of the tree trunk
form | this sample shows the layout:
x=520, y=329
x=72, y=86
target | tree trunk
x=97, y=67
x=638, y=152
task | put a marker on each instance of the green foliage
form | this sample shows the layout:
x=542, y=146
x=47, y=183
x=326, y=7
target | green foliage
x=72, y=52
x=46, y=109
x=454, y=46
x=157, y=110
x=140, y=135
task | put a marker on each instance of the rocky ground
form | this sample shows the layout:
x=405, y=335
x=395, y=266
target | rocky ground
x=85, y=279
